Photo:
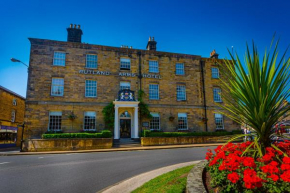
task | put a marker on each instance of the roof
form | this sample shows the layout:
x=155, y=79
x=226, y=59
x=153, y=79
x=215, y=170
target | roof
x=11, y=92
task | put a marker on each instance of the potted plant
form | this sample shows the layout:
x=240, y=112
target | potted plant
x=72, y=116
x=171, y=118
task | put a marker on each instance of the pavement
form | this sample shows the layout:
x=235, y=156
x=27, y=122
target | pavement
x=87, y=172
x=15, y=152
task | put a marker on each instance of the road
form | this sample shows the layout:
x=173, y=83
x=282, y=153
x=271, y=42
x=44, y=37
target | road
x=85, y=172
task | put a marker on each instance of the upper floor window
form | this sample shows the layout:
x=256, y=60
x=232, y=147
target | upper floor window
x=55, y=121
x=179, y=68
x=90, y=120
x=153, y=66
x=125, y=64
x=125, y=85
x=155, y=121
x=219, y=121
x=59, y=59
x=13, y=115
x=215, y=73
x=180, y=92
x=217, y=95
x=91, y=61
x=91, y=88
x=14, y=102
x=182, y=121
x=57, y=87
x=154, y=91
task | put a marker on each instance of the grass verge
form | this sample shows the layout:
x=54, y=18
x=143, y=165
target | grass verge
x=174, y=181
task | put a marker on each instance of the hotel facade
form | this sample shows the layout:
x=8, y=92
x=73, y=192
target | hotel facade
x=71, y=82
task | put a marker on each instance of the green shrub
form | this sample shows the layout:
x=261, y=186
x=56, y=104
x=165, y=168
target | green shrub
x=148, y=133
x=103, y=134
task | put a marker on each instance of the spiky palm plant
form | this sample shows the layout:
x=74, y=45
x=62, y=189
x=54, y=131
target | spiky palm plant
x=255, y=93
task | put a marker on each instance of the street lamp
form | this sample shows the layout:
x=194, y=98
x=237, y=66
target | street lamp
x=23, y=125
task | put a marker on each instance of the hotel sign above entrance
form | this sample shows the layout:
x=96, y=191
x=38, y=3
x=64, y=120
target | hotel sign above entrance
x=107, y=73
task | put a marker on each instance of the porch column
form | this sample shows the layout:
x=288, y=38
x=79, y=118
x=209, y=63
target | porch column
x=116, y=128
x=136, y=123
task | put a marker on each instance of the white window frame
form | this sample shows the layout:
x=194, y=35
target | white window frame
x=125, y=85
x=92, y=62
x=153, y=66
x=89, y=90
x=181, y=92
x=13, y=116
x=153, y=125
x=54, y=113
x=90, y=114
x=14, y=102
x=57, y=86
x=57, y=60
x=215, y=72
x=218, y=118
x=153, y=93
x=125, y=64
x=217, y=95
x=179, y=69
x=182, y=116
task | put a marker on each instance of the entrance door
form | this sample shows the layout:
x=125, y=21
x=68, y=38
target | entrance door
x=125, y=128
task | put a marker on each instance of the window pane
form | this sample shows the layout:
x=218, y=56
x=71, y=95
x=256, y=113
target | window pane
x=153, y=66
x=55, y=121
x=181, y=92
x=216, y=95
x=91, y=88
x=219, y=121
x=155, y=121
x=59, y=59
x=182, y=121
x=125, y=85
x=154, y=91
x=179, y=68
x=57, y=87
x=214, y=72
x=91, y=61
x=125, y=64
x=90, y=120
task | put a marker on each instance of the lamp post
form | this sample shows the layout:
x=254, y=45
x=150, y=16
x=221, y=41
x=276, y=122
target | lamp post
x=23, y=125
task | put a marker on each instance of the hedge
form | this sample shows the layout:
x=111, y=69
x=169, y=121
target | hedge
x=103, y=134
x=148, y=133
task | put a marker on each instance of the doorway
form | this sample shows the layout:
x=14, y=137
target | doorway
x=125, y=125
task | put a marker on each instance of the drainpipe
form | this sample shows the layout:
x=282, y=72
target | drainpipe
x=203, y=90
x=140, y=85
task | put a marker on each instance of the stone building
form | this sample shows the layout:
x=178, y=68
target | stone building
x=12, y=107
x=71, y=82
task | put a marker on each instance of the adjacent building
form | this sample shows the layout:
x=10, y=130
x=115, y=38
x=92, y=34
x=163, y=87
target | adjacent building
x=12, y=107
x=70, y=83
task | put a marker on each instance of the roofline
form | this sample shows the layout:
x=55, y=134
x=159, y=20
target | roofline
x=11, y=92
x=40, y=41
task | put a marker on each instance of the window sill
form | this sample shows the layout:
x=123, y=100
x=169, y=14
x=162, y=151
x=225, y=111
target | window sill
x=180, y=74
x=181, y=100
x=59, y=65
x=91, y=68
x=218, y=101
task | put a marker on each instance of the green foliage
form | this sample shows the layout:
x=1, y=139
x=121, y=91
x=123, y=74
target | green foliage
x=53, y=132
x=103, y=134
x=109, y=115
x=255, y=92
x=148, y=133
x=174, y=181
x=143, y=107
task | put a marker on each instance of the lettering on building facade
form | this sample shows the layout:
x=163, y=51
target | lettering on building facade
x=95, y=72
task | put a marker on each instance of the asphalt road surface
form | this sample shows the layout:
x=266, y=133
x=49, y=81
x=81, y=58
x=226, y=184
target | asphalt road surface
x=85, y=172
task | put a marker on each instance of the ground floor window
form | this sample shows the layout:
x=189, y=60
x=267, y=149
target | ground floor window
x=182, y=121
x=219, y=121
x=90, y=120
x=155, y=121
x=55, y=120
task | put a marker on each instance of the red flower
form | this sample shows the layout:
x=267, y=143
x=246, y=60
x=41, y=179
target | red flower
x=233, y=177
x=270, y=168
x=274, y=177
x=249, y=161
x=286, y=176
x=286, y=160
x=285, y=166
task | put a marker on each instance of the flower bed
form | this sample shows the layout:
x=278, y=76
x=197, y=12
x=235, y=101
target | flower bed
x=103, y=134
x=231, y=171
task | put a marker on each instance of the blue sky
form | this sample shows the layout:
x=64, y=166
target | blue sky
x=190, y=27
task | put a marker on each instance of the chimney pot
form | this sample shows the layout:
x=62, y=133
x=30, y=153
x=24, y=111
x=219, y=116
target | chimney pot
x=79, y=26
x=71, y=25
x=74, y=34
x=75, y=26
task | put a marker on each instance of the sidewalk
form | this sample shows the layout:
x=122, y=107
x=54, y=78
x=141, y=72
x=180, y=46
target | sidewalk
x=12, y=153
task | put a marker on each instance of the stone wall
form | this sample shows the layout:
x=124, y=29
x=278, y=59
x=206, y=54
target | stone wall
x=37, y=145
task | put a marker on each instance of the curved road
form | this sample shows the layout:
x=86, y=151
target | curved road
x=85, y=172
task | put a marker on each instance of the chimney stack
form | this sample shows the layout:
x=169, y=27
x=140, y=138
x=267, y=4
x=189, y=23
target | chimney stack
x=151, y=45
x=74, y=33
x=213, y=54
